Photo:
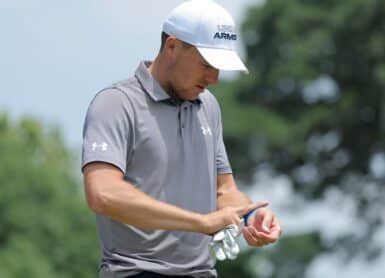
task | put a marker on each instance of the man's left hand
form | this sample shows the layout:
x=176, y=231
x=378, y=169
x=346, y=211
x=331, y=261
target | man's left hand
x=262, y=229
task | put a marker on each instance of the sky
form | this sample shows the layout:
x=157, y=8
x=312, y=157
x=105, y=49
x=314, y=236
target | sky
x=56, y=55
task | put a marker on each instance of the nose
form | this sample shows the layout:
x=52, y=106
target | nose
x=212, y=75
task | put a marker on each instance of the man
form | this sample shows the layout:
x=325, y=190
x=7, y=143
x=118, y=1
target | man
x=155, y=167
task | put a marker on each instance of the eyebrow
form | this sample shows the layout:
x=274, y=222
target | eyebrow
x=203, y=60
x=205, y=63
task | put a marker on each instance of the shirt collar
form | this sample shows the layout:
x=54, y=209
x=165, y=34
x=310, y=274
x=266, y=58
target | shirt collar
x=153, y=88
x=150, y=85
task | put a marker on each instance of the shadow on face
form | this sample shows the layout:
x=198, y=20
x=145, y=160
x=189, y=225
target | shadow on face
x=189, y=72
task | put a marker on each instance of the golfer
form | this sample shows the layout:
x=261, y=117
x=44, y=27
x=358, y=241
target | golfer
x=155, y=167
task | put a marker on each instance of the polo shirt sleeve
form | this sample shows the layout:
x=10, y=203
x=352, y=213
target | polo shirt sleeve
x=108, y=132
x=222, y=161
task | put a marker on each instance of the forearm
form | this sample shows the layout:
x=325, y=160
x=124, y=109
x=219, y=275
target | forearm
x=228, y=194
x=123, y=202
x=232, y=197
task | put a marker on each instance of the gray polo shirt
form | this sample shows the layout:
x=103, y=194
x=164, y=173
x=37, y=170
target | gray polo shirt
x=172, y=150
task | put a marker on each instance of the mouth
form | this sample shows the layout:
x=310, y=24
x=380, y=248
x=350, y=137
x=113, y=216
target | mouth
x=201, y=87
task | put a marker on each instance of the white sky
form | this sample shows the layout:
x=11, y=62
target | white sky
x=55, y=55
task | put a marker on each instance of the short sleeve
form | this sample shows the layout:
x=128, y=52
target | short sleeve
x=213, y=111
x=108, y=134
x=222, y=161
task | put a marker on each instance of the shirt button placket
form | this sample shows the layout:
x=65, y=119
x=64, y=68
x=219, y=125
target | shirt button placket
x=180, y=120
x=183, y=116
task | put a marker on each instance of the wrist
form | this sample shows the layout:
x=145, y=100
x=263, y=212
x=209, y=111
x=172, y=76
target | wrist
x=200, y=224
x=248, y=215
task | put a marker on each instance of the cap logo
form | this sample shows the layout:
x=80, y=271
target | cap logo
x=225, y=28
x=225, y=32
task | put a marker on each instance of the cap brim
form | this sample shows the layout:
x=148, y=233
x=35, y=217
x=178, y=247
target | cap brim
x=222, y=59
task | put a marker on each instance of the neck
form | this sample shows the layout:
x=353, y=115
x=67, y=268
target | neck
x=160, y=72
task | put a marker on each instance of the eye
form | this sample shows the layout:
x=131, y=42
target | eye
x=206, y=65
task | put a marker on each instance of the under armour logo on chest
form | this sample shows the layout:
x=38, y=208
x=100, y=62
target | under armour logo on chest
x=206, y=130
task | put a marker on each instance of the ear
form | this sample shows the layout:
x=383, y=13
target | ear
x=171, y=46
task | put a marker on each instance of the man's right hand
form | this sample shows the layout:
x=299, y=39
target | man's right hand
x=220, y=219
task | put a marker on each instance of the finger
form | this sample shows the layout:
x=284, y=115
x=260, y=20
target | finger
x=266, y=238
x=274, y=235
x=255, y=240
x=267, y=220
x=275, y=224
x=241, y=211
x=275, y=231
x=251, y=240
x=262, y=204
x=248, y=236
x=262, y=237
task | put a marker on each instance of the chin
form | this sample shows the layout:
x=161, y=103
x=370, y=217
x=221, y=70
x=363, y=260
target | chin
x=199, y=91
x=191, y=98
x=191, y=95
x=195, y=96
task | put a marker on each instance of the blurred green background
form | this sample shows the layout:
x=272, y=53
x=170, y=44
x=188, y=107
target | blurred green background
x=305, y=130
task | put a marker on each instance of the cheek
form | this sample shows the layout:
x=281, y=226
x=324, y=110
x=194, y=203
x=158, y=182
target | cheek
x=186, y=77
x=187, y=73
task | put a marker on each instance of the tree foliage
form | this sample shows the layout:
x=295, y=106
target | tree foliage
x=317, y=68
x=313, y=105
x=46, y=229
x=274, y=262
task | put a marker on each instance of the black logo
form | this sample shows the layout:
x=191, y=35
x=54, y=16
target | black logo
x=225, y=36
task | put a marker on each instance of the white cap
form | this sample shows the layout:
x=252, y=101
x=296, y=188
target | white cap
x=210, y=28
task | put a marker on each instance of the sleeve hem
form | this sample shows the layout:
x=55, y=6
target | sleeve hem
x=224, y=170
x=108, y=161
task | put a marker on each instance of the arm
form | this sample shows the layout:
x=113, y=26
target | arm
x=109, y=194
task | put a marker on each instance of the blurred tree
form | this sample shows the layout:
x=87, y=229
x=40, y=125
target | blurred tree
x=313, y=106
x=264, y=262
x=45, y=228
